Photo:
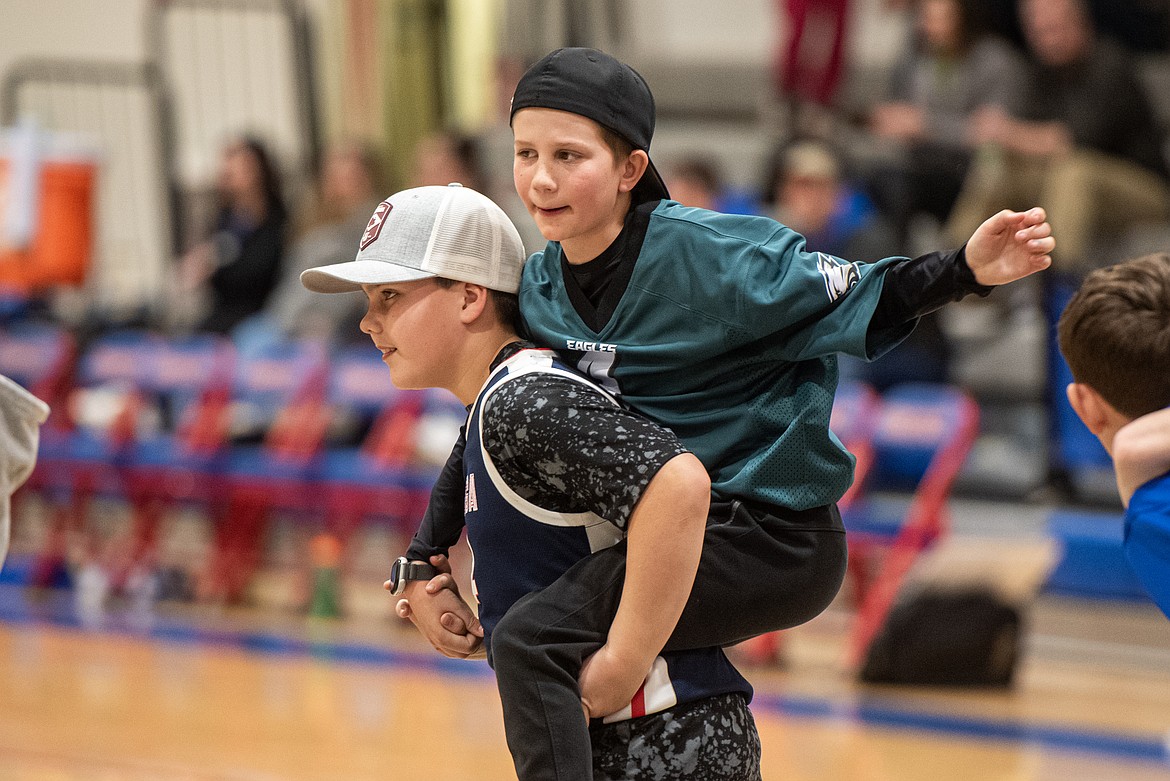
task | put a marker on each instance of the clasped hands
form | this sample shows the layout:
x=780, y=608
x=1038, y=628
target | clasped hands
x=608, y=680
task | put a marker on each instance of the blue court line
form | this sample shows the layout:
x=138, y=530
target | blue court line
x=865, y=710
x=876, y=712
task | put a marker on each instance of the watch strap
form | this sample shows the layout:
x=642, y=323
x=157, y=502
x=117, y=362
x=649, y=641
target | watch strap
x=417, y=570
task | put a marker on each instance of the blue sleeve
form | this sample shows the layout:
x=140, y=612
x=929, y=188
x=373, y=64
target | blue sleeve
x=1147, y=539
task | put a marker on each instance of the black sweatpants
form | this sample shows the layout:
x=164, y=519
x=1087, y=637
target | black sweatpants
x=759, y=572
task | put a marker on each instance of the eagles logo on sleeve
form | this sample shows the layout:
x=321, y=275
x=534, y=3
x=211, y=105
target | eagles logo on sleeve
x=840, y=277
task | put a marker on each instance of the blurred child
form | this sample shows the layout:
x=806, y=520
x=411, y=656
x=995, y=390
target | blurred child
x=1115, y=335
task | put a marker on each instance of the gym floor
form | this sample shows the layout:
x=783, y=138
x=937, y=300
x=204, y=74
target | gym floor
x=198, y=694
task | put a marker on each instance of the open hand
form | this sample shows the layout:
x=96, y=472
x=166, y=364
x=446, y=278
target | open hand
x=1009, y=246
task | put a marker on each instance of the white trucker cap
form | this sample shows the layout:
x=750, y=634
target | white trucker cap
x=452, y=232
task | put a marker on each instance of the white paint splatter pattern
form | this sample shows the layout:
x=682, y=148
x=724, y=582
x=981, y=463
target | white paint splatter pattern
x=708, y=740
x=565, y=446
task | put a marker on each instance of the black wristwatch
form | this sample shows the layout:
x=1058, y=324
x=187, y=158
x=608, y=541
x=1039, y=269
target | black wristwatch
x=403, y=570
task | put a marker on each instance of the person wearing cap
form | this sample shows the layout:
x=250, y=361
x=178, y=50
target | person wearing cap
x=21, y=415
x=723, y=328
x=553, y=471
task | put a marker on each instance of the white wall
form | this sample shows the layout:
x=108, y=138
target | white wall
x=98, y=29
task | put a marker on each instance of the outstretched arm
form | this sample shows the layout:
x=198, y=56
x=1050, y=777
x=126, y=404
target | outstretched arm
x=1009, y=246
x=1141, y=452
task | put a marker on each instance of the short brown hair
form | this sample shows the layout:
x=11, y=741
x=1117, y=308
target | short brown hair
x=1115, y=334
x=506, y=305
x=617, y=143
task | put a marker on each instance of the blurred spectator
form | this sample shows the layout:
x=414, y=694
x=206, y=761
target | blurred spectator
x=808, y=192
x=695, y=180
x=1082, y=140
x=810, y=64
x=445, y=157
x=346, y=192
x=953, y=70
x=239, y=263
x=1138, y=25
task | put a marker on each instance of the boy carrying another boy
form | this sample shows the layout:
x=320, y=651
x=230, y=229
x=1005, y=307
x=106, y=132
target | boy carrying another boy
x=1115, y=335
x=722, y=328
x=554, y=469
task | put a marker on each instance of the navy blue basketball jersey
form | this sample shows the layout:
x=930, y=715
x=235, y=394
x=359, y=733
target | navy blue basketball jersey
x=520, y=546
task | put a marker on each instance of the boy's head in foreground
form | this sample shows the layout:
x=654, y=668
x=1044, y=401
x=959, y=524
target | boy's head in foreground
x=1115, y=335
x=582, y=123
x=440, y=267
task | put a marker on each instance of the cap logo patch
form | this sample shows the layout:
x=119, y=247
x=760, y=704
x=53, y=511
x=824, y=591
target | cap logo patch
x=374, y=226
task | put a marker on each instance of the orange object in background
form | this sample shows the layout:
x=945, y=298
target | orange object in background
x=61, y=247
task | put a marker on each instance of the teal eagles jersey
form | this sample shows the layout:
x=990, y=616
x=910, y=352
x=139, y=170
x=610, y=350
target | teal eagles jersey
x=727, y=333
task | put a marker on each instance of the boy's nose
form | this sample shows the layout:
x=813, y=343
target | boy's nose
x=542, y=178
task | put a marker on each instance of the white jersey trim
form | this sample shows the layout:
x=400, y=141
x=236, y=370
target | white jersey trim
x=601, y=532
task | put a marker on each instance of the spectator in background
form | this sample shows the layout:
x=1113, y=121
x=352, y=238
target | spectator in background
x=808, y=67
x=238, y=265
x=954, y=70
x=807, y=191
x=1082, y=139
x=695, y=180
x=445, y=157
x=345, y=194
x=1138, y=25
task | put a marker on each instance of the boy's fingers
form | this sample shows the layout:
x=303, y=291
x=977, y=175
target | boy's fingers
x=453, y=623
x=440, y=582
x=442, y=563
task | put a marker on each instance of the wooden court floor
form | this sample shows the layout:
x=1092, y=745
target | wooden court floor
x=202, y=696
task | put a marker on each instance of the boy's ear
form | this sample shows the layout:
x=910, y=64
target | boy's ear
x=632, y=169
x=1089, y=406
x=474, y=301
